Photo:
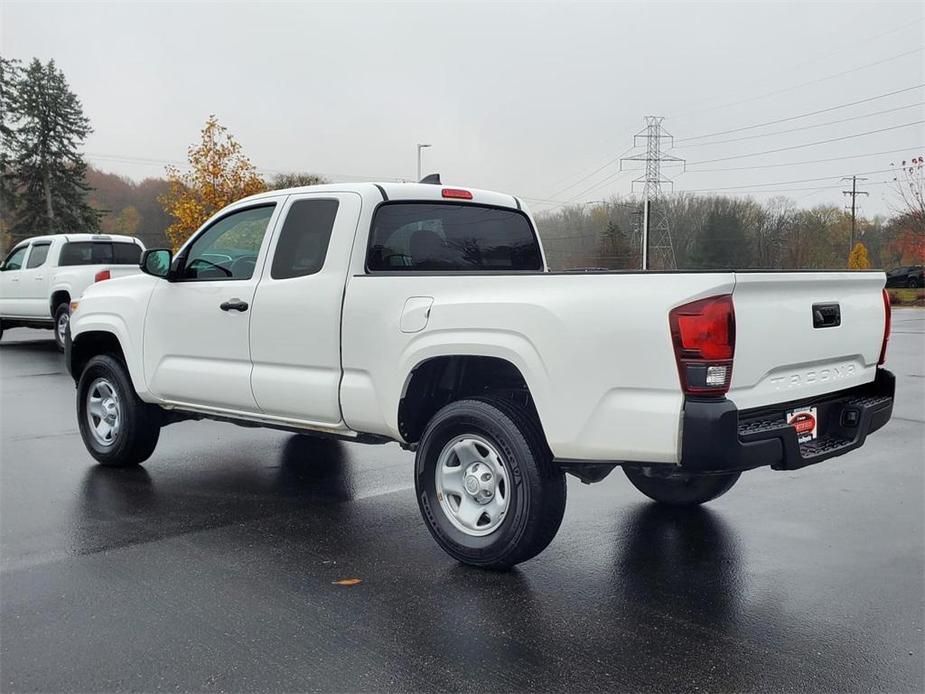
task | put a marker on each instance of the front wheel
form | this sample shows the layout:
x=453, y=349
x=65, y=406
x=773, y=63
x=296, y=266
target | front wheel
x=486, y=484
x=679, y=489
x=117, y=427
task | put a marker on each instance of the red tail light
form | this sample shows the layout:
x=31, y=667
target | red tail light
x=887, y=326
x=457, y=193
x=102, y=275
x=704, y=338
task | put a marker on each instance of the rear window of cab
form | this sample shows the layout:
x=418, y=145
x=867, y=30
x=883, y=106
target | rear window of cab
x=99, y=253
x=451, y=237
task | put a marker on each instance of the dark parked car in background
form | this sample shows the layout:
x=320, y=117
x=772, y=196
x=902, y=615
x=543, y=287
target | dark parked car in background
x=906, y=276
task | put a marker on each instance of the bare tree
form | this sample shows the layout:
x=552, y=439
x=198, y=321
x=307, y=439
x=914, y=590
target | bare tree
x=909, y=183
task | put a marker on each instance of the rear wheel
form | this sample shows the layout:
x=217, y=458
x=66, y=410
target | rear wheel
x=486, y=484
x=62, y=318
x=679, y=489
x=117, y=428
x=912, y=283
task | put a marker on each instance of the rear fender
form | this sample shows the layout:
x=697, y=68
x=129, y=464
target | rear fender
x=511, y=347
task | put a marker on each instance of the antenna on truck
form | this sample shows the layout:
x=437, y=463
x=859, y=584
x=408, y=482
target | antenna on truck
x=433, y=179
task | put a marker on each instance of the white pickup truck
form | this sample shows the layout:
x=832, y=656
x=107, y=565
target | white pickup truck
x=40, y=276
x=426, y=315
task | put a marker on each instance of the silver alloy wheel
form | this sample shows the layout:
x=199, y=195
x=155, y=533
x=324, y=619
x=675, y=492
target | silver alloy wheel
x=61, y=327
x=104, y=412
x=472, y=485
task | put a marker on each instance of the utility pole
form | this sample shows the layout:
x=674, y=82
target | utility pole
x=420, y=147
x=657, y=249
x=854, y=192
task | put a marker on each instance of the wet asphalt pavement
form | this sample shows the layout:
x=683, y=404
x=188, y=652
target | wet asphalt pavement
x=213, y=567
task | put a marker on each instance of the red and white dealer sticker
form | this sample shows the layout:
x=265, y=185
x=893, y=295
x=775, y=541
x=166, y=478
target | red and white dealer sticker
x=804, y=421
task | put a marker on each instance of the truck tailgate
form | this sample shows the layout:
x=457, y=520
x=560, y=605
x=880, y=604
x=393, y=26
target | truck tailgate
x=803, y=334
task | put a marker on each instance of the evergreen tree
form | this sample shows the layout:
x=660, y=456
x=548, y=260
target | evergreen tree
x=722, y=242
x=9, y=107
x=616, y=251
x=48, y=172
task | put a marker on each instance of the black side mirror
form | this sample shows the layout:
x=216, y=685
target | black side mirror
x=156, y=262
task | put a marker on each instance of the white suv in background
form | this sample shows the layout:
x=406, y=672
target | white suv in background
x=41, y=276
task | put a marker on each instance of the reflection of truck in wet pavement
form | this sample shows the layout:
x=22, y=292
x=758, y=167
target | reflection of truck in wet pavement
x=426, y=315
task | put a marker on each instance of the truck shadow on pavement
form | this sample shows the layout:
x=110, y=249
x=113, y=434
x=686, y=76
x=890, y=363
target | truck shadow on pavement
x=123, y=506
x=46, y=345
x=686, y=557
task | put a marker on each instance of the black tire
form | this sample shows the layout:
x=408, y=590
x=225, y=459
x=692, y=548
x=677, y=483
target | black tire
x=535, y=498
x=62, y=313
x=1, y=329
x=680, y=489
x=912, y=283
x=139, y=422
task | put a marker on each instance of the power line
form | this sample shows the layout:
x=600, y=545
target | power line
x=604, y=181
x=612, y=177
x=809, y=161
x=780, y=183
x=562, y=203
x=809, y=83
x=600, y=168
x=809, y=127
x=852, y=45
x=802, y=115
x=796, y=190
x=808, y=144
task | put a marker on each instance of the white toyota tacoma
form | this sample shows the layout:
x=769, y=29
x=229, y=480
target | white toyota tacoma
x=426, y=315
x=40, y=276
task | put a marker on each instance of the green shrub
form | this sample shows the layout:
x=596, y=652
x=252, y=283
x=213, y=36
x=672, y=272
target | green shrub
x=907, y=297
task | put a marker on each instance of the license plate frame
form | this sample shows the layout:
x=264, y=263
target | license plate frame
x=805, y=420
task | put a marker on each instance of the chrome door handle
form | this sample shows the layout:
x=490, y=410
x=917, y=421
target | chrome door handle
x=234, y=305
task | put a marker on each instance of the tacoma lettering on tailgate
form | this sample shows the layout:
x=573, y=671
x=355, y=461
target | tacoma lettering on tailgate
x=801, y=378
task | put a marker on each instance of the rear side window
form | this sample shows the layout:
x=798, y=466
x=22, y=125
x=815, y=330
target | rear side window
x=38, y=255
x=451, y=237
x=126, y=253
x=303, y=241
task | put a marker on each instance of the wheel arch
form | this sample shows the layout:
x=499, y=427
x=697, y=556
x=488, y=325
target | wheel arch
x=104, y=338
x=436, y=381
x=61, y=295
x=89, y=344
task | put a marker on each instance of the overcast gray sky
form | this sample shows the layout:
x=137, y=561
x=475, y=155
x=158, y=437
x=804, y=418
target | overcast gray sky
x=522, y=97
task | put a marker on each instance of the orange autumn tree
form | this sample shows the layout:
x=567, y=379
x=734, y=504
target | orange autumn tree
x=858, y=259
x=219, y=174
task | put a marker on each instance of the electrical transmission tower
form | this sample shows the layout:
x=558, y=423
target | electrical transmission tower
x=854, y=192
x=657, y=249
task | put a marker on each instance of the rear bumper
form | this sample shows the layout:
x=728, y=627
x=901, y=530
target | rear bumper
x=717, y=437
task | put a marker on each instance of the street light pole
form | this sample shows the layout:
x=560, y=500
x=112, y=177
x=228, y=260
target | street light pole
x=420, y=147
